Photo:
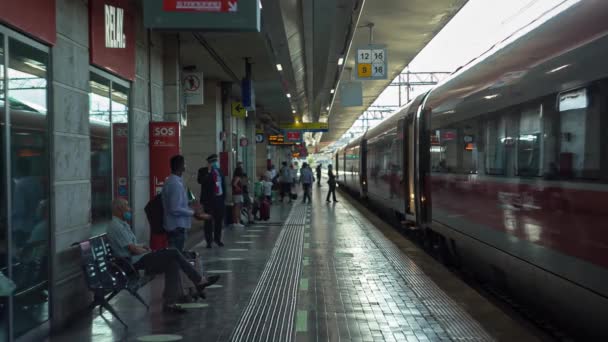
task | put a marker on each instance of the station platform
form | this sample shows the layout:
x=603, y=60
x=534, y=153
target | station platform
x=319, y=272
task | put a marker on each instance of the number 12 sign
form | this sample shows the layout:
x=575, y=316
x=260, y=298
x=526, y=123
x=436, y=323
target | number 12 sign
x=372, y=62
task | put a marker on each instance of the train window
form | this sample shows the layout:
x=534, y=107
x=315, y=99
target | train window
x=109, y=131
x=529, y=143
x=496, y=140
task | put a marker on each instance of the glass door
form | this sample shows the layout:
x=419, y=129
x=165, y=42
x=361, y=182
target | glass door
x=24, y=192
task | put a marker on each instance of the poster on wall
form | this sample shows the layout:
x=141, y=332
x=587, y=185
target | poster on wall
x=164, y=144
x=120, y=150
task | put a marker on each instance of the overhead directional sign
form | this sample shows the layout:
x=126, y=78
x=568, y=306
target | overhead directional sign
x=238, y=110
x=200, y=5
x=306, y=127
x=372, y=63
x=203, y=15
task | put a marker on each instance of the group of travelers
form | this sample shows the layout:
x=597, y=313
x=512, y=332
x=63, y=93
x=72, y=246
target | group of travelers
x=176, y=219
x=170, y=215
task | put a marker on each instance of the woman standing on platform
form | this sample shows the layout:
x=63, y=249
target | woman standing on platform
x=332, y=184
x=237, y=197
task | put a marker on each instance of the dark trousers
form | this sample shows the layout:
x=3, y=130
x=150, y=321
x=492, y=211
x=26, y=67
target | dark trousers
x=169, y=261
x=213, y=228
x=307, y=191
x=285, y=190
x=318, y=179
x=177, y=238
x=332, y=190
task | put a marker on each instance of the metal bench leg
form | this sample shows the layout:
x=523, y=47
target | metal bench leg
x=108, y=307
x=136, y=295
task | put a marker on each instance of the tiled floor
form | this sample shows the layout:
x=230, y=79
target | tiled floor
x=328, y=273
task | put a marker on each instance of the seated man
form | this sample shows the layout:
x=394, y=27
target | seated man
x=168, y=261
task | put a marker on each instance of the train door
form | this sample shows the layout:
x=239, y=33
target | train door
x=422, y=141
x=409, y=167
x=363, y=167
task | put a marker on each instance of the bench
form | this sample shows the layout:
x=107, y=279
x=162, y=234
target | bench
x=107, y=275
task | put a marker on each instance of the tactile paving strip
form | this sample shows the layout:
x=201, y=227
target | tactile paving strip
x=459, y=325
x=270, y=314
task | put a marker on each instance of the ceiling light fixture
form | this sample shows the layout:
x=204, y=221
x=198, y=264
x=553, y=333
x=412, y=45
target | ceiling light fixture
x=558, y=68
x=341, y=61
x=288, y=95
x=332, y=91
x=489, y=97
x=279, y=67
x=293, y=111
x=327, y=108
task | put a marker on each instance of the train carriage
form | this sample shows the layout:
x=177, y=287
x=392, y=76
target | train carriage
x=505, y=164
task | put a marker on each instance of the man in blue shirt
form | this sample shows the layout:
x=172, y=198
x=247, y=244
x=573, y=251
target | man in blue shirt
x=168, y=261
x=177, y=211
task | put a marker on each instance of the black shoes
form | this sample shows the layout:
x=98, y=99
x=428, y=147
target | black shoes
x=220, y=243
x=209, y=245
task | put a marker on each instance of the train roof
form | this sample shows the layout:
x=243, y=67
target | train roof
x=553, y=54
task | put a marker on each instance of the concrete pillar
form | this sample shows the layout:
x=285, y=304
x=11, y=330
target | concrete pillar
x=261, y=157
x=171, y=78
x=70, y=159
x=147, y=105
x=201, y=135
x=251, y=149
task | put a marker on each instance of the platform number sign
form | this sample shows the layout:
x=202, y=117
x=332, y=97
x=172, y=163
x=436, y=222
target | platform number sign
x=372, y=63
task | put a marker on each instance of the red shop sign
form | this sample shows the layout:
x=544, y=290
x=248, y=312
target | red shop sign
x=164, y=144
x=112, y=36
x=220, y=6
x=35, y=17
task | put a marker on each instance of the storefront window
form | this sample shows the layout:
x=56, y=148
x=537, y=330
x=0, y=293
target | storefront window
x=109, y=124
x=24, y=210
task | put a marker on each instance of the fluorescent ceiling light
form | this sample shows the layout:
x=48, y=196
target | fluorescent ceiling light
x=489, y=97
x=288, y=95
x=293, y=111
x=327, y=108
x=341, y=61
x=332, y=91
x=558, y=69
x=279, y=67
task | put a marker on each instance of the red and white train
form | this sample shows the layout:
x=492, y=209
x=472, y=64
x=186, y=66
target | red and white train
x=505, y=166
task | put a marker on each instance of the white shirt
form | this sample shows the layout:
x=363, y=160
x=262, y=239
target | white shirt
x=267, y=188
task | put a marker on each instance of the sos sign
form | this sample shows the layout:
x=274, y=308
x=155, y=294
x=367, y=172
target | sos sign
x=163, y=132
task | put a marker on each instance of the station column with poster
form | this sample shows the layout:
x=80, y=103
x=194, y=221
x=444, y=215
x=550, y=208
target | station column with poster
x=121, y=161
x=164, y=144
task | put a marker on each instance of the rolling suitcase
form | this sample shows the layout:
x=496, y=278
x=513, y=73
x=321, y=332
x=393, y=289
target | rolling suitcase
x=265, y=210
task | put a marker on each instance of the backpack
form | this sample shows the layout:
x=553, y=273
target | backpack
x=155, y=214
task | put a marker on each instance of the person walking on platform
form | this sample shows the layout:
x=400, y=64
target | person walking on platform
x=307, y=179
x=168, y=261
x=176, y=209
x=286, y=180
x=332, y=184
x=237, y=197
x=213, y=190
x=319, y=169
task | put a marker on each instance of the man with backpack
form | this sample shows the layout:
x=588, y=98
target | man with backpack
x=178, y=214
